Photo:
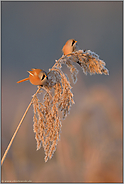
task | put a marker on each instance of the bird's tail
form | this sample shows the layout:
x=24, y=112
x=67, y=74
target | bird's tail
x=23, y=80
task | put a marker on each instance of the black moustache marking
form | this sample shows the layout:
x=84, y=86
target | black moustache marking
x=73, y=42
x=43, y=77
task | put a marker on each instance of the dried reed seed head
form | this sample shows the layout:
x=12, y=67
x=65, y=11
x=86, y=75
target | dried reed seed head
x=58, y=97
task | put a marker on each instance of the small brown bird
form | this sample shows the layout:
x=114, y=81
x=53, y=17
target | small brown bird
x=70, y=46
x=36, y=77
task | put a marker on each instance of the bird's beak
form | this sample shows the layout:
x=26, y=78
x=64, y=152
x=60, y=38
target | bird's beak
x=75, y=41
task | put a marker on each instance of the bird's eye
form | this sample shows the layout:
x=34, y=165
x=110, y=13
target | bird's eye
x=73, y=42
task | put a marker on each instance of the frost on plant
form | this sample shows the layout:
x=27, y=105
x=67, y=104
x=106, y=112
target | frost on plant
x=58, y=97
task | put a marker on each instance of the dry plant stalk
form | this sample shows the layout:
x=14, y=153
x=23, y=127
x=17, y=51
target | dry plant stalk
x=58, y=97
x=12, y=139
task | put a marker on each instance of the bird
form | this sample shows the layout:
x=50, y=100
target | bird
x=70, y=46
x=36, y=77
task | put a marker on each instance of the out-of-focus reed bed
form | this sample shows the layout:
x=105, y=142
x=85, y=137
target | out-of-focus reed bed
x=90, y=146
x=89, y=150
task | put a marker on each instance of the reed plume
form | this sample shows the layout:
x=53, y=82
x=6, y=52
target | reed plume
x=58, y=97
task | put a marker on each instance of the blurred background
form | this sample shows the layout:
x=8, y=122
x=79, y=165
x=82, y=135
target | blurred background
x=90, y=147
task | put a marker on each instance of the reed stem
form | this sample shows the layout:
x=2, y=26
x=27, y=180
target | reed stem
x=11, y=141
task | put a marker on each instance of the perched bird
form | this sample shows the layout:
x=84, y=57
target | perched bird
x=70, y=46
x=36, y=77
